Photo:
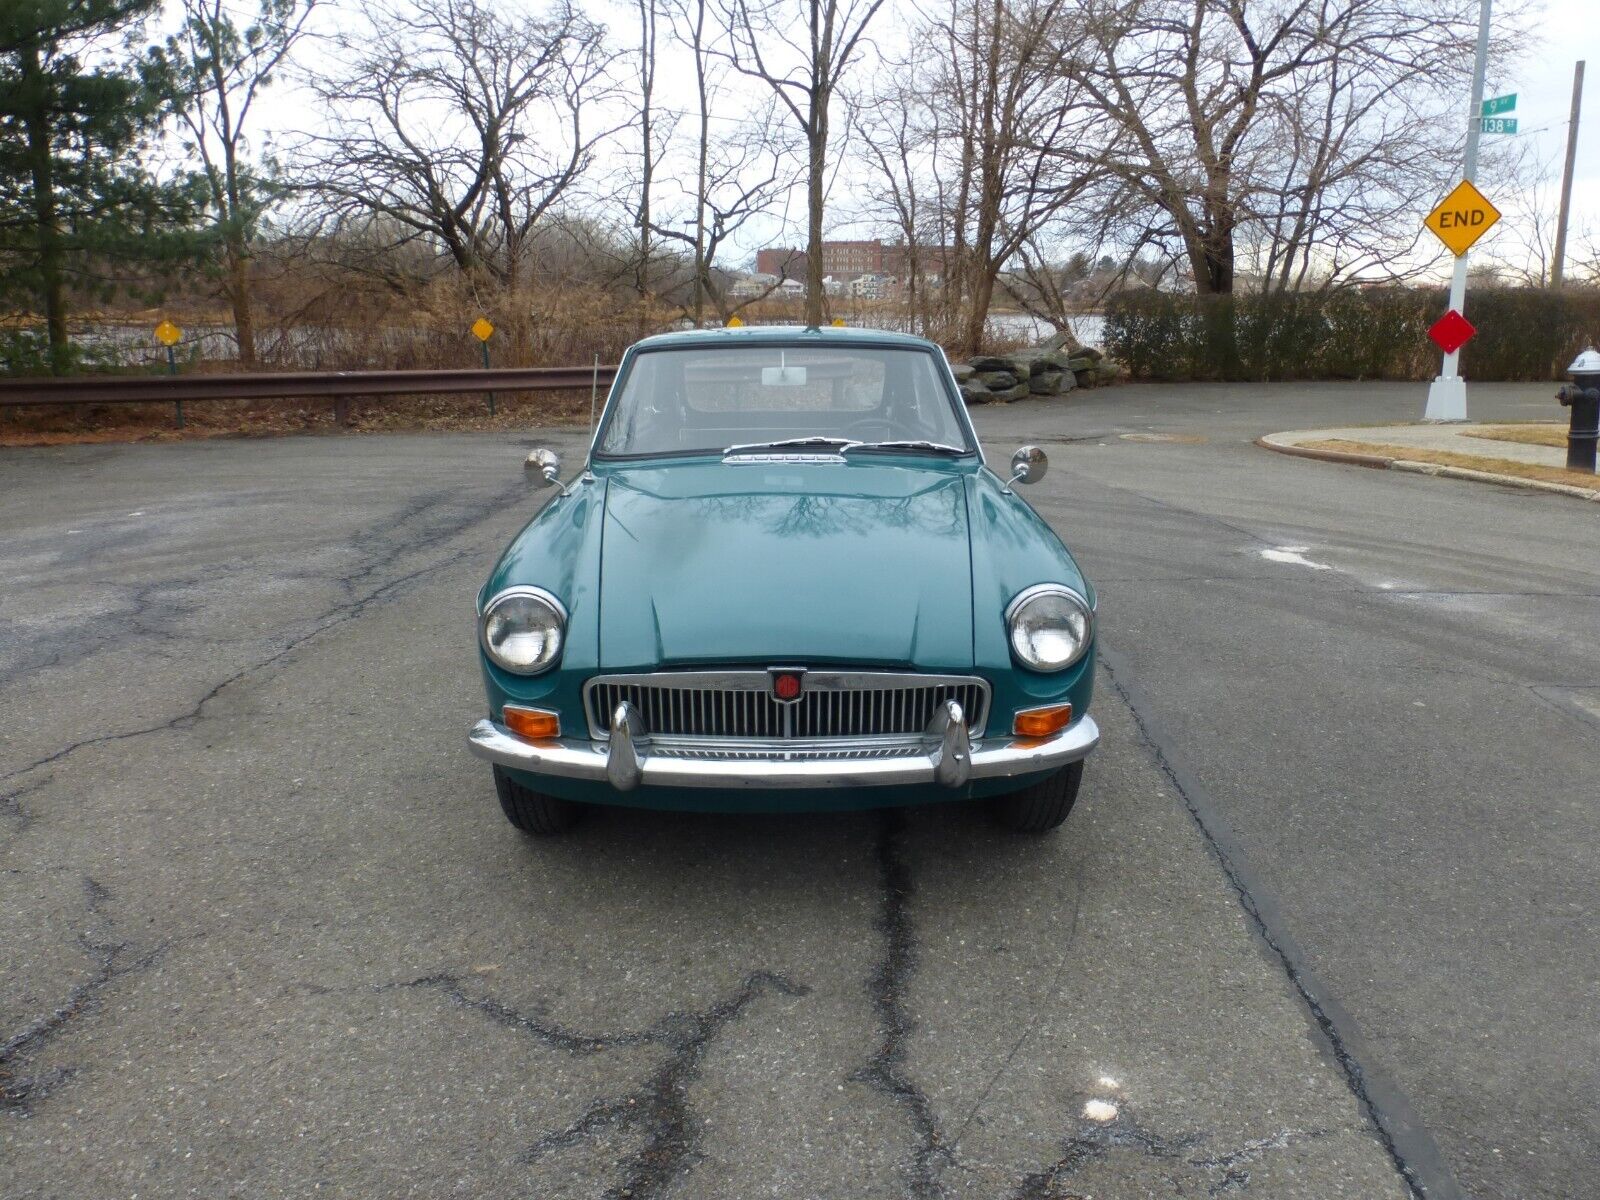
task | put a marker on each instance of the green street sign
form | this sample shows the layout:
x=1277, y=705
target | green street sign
x=1496, y=105
x=1498, y=124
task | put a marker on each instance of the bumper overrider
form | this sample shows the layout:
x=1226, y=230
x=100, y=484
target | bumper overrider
x=946, y=755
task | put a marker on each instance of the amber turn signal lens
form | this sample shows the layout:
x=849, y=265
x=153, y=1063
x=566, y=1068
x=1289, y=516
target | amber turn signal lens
x=1042, y=722
x=532, y=723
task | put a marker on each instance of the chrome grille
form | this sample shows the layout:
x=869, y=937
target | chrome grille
x=722, y=753
x=721, y=705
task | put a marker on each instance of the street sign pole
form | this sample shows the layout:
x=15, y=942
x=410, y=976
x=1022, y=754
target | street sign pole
x=483, y=330
x=1447, y=395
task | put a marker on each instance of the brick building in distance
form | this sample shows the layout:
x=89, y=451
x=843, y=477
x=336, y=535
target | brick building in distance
x=844, y=261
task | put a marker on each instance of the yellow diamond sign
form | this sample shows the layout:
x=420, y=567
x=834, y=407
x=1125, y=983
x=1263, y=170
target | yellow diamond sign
x=482, y=329
x=1462, y=217
x=168, y=334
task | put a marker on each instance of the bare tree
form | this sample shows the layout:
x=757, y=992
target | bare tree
x=690, y=29
x=1013, y=103
x=1302, y=127
x=460, y=127
x=801, y=49
x=1527, y=185
x=969, y=149
x=898, y=142
x=220, y=70
x=648, y=16
x=742, y=177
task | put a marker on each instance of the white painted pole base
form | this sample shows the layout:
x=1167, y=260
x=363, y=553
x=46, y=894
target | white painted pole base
x=1447, y=399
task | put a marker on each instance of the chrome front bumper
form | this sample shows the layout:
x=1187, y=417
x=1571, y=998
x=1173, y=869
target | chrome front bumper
x=946, y=756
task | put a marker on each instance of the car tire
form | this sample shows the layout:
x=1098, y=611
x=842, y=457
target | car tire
x=1043, y=806
x=534, y=812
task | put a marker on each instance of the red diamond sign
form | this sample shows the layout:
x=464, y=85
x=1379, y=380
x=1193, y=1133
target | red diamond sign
x=1451, y=332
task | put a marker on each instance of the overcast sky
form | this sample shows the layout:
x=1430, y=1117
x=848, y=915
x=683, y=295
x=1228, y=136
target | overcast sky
x=1563, y=31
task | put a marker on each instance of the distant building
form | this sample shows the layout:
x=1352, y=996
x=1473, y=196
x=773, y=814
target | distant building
x=781, y=263
x=753, y=285
x=846, y=261
x=761, y=283
x=870, y=287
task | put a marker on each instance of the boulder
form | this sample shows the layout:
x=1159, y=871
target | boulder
x=985, y=363
x=1090, y=353
x=999, y=381
x=962, y=371
x=1045, y=383
x=1052, y=383
x=1080, y=362
x=1018, y=392
x=1088, y=377
x=975, y=391
x=1050, y=360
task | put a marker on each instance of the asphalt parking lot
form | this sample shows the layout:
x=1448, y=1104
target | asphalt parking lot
x=1322, y=925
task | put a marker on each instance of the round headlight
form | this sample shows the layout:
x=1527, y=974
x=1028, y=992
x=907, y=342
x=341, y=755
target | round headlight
x=521, y=630
x=1050, y=627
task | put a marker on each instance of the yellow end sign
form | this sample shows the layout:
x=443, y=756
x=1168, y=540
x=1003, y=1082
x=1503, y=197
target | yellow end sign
x=735, y=323
x=1462, y=217
x=482, y=329
x=168, y=334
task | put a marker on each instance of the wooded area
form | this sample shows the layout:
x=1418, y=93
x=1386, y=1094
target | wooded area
x=534, y=163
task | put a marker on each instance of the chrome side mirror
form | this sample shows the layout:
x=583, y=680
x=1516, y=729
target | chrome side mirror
x=1028, y=465
x=543, y=469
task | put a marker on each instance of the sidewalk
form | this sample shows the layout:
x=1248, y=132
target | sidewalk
x=1463, y=451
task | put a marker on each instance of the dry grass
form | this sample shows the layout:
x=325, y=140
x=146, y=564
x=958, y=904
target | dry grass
x=1472, y=462
x=48, y=425
x=1527, y=435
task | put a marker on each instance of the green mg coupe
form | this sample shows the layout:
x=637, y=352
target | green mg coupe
x=786, y=580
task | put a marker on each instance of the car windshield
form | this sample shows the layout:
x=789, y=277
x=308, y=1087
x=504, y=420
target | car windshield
x=709, y=399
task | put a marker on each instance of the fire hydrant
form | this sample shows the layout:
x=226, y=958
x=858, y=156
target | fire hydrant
x=1582, y=395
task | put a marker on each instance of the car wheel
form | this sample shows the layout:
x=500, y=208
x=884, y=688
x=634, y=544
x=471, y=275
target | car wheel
x=1043, y=806
x=534, y=812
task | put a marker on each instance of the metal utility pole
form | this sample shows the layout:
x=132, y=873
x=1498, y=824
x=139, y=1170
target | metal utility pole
x=1447, y=395
x=1566, y=177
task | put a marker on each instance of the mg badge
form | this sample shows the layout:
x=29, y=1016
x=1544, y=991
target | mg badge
x=787, y=683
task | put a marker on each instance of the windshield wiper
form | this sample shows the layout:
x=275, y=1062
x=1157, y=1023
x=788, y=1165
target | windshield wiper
x=841, y=443
x=912, y=444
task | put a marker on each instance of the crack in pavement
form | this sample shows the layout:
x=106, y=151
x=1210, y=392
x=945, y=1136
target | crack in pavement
x=1092, y=1141
x=112, y=960
x=933, y=1156
x=1032, y=1026
x=885, y=1071
x=658, y=1107
x=11, y=803
x=338, y=615
x=1401, y=1134
x=184, y=720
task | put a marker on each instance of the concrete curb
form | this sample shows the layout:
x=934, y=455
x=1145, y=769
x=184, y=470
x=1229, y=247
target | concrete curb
x=1276, y=442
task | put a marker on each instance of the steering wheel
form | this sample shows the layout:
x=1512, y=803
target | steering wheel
x=882, y=423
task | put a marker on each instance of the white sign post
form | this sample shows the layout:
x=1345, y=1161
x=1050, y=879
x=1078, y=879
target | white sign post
x=1447, y=395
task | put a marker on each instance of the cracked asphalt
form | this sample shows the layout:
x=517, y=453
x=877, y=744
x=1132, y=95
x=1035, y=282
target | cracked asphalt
x=1321, y=926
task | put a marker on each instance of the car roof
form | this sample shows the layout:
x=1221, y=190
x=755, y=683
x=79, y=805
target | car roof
x=806, y=335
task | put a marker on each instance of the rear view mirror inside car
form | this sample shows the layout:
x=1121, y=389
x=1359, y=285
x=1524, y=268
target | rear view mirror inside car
x=783, y=376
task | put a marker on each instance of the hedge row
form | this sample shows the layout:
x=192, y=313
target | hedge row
x=1380, y=333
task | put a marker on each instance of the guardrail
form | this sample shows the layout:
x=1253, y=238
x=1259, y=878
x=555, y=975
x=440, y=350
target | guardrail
x=337, y=386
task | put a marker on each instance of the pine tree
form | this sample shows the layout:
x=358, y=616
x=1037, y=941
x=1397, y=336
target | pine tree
x=78, y=102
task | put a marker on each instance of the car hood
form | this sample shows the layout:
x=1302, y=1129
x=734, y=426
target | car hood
x=864, y=562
